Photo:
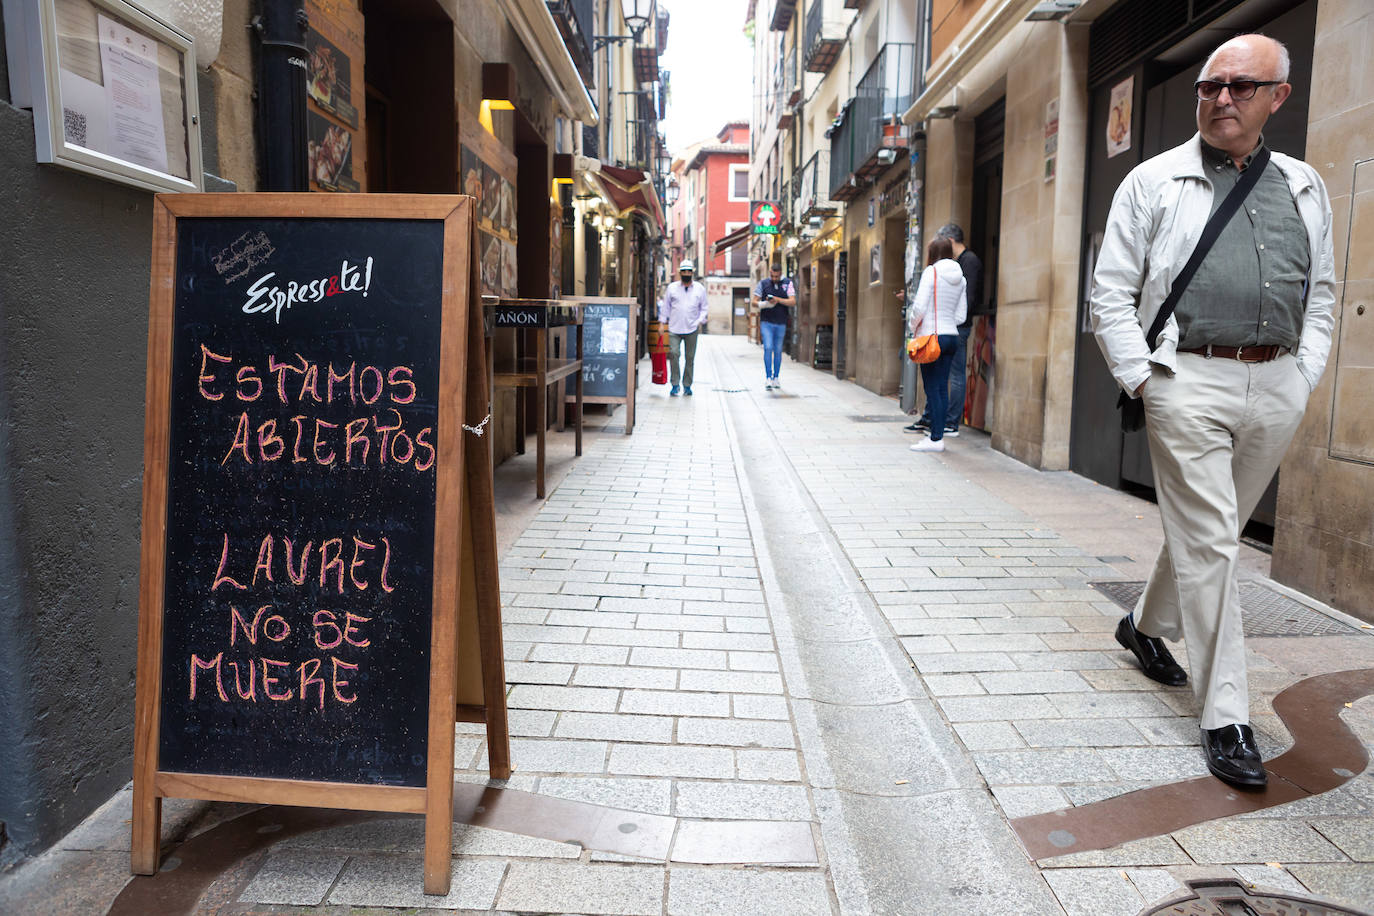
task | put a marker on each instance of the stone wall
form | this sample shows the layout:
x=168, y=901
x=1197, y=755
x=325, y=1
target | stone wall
x=1040, y=240
x=1324, y=532
x=873, y=308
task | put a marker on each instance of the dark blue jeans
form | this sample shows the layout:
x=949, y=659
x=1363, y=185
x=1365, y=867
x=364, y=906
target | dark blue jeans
x=771, y=333
x=958, y=371
x=935, y=378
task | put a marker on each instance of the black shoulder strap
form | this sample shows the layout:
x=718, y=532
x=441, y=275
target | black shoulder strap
x=1248, y=179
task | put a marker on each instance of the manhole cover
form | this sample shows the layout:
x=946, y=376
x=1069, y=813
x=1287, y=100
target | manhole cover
x=1231, y=898
x=1267, y=613
x=880, y=418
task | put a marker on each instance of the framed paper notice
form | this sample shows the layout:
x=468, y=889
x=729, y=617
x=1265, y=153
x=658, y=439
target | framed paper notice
x=1119, y=118
x=112, y=88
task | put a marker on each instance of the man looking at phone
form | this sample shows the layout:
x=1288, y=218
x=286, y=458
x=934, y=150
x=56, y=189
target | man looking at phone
x=776, y=295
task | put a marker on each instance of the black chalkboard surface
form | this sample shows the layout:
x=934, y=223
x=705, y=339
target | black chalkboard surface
x=606, y=342
x=609, y=348
x=317, y=526
x=301, y=498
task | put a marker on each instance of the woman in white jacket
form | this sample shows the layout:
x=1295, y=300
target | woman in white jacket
x=939, y=307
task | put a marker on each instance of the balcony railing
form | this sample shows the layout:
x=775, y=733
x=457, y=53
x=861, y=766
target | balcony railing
x=870, y=133
x=824, y=35
x=812, y=188
x=843, y=185
x=641, y=131
x=576, y=19
x=882, y=97
x=782, y=88
x=792, y=80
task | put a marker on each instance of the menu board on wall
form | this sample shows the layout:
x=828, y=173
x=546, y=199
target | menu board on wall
x=488, y=173
x=334, y=84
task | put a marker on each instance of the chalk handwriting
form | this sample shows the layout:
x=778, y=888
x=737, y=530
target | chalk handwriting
x=365, y=560
x=303, y=381
x=265, y=298
x=281, y=680
x=252, y=249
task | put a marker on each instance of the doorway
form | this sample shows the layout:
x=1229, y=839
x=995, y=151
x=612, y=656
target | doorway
x=412, y=136
x=891, y=333
x=739, y=310
x=984, y=237
x=823, y=311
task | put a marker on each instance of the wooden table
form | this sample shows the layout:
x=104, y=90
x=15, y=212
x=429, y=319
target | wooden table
x=540, y=370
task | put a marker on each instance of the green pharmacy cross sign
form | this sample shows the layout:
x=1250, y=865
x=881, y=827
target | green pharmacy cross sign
x=764, y=217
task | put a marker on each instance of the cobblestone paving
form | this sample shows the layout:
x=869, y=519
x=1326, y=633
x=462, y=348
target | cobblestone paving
x=996, y=614
x=652, y=669
x=645, y=675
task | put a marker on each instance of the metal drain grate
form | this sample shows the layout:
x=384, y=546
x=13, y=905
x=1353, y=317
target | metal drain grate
x=880, y=418
x=1224, y=897
x=1267, y=613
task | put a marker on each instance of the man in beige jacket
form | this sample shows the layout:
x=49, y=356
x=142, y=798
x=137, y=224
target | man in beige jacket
x=1226, y=383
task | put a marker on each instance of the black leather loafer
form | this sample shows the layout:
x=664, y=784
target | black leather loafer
x=1151, y=653
x=1232, y=756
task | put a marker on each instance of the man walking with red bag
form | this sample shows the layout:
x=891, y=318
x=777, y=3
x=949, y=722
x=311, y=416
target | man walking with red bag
x=684, y=310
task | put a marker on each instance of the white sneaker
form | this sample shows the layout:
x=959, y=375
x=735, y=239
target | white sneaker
x=768, y=386
x=929, y=445
x=777, y=384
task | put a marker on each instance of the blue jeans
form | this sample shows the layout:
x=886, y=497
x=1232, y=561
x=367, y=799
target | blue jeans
x=958, y=371
x=772, y=334
x=935, y=378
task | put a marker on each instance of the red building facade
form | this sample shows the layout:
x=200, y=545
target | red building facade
x=713, y=200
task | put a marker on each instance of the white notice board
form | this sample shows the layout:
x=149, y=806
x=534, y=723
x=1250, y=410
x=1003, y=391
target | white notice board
x=112, y=88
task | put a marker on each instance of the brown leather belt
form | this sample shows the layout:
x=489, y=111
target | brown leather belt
x=1256, y=354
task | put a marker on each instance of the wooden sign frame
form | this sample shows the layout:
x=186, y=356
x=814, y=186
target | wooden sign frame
x=465, y=581
x=631, y=362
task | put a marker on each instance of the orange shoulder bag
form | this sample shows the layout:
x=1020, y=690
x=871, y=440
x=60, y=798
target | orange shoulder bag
x=926, y=348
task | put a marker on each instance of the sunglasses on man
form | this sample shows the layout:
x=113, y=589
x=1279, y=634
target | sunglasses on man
x=1241, y=90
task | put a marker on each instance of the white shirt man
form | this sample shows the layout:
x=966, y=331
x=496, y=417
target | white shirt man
x=684, y=309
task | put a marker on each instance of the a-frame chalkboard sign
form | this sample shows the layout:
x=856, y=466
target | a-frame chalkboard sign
x=318, y=570
x=609, y=352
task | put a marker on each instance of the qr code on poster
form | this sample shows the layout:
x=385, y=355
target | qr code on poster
x=74, y=126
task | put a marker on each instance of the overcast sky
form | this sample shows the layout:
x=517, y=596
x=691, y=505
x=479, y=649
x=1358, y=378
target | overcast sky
x=711, y=62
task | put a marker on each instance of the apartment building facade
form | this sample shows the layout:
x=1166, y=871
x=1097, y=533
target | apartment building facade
x=1017, y=119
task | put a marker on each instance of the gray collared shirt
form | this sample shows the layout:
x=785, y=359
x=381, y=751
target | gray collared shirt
x=1249, y=289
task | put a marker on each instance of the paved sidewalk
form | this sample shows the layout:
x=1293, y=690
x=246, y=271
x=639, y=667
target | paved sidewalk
x=806, y=671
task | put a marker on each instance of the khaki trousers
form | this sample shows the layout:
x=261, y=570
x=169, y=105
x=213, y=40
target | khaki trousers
x=676, y=344
x=1218, y=429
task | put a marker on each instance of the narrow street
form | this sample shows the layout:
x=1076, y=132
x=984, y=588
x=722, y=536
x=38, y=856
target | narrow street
x=763, y=659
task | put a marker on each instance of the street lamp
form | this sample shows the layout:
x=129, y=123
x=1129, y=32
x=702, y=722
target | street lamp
x=671, y=192
x=636, y=16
